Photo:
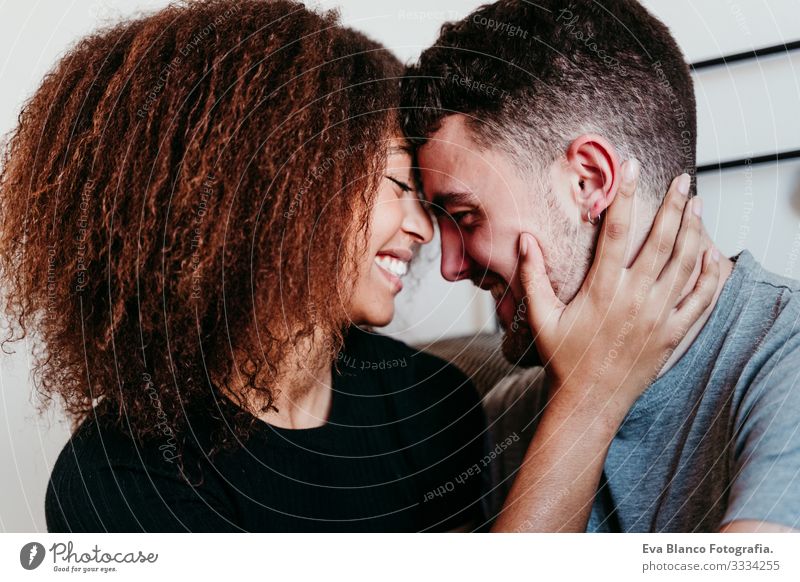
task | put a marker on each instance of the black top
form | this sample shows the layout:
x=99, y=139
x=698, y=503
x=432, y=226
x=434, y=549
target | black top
x=401, y=451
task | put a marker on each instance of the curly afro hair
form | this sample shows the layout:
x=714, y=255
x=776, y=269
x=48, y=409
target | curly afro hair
x=172, y=201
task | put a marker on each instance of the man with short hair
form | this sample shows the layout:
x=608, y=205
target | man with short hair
x=525, y=133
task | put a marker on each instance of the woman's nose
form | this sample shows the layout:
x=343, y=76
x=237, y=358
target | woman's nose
x=417, y=222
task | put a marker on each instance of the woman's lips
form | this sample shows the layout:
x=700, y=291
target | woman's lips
x=400, y=253
x=392, y=268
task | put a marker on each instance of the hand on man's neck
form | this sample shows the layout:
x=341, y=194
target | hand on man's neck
x=726, y=268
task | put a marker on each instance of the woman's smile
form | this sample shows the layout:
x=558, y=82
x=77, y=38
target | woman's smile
x=399, y=224
x=393, y=265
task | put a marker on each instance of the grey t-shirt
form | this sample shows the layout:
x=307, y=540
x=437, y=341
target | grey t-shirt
x=716, y=438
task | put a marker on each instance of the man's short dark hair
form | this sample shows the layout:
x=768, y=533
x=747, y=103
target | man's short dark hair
x=531, y=77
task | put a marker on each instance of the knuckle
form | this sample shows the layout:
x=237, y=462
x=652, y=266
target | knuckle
x=675, y=337
x=687, y=265
x=627, y=189
x=692, y=243
x=616, y=231
x=694, y=305
x=676, y=202
x=664, y=247
x=696, y=224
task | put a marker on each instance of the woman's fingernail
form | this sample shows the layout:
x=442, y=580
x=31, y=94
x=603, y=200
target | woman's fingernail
x=523, y=245
x=631, y=170
x=684, y=180
x=715, y=254
x=697, y=206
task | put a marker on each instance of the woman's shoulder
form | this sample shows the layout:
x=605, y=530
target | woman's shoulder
x=84, y=489
x=101, y=443
x=104, y=480
x=94, y=446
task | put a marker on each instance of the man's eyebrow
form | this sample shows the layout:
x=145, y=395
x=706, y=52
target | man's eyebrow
x=442, y=199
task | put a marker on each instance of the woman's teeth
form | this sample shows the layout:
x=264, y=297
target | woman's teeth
x=396, y=267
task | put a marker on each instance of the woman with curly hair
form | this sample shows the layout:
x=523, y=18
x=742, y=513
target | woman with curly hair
x=204, y=211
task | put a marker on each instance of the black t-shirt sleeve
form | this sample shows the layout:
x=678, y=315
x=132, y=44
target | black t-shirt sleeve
x=103, y=485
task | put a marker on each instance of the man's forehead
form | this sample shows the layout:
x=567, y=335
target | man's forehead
x=452, y=138
x=442, y=186
x=438, y=151
x=453, y=128
x=446, y=166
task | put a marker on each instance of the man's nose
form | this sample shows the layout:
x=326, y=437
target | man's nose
x=455, y=263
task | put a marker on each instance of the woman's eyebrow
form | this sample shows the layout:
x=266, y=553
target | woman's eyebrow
x=401, y=150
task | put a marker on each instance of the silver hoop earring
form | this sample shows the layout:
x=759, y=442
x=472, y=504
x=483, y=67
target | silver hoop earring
x=589, y=218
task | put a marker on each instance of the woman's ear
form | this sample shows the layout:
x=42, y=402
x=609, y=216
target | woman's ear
x=594, y=172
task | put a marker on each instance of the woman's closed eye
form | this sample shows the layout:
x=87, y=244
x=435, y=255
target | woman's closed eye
x=403, y=187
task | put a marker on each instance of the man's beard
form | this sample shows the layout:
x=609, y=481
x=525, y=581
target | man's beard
x=568, y=263
x=518, y=346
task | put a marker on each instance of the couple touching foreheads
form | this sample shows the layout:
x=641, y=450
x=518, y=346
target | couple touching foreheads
x=243, y=236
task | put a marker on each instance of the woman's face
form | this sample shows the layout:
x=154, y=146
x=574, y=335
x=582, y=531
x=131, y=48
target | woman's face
x=398, y=224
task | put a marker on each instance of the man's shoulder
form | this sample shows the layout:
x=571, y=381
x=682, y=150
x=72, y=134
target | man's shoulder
x=768, y=300
x=761, y=276
x=766, y=451
x=765, y=337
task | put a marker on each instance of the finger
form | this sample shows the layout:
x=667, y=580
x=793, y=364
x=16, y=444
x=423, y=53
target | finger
x=687, y=255
x=543, y=307
x=609, y=258
x=658, y=247
x=701, y=297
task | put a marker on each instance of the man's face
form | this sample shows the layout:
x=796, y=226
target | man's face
x=483, y=204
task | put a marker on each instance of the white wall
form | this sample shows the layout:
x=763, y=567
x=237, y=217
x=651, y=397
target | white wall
x=743, y=110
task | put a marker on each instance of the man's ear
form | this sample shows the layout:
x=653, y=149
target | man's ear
x=594, y=173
